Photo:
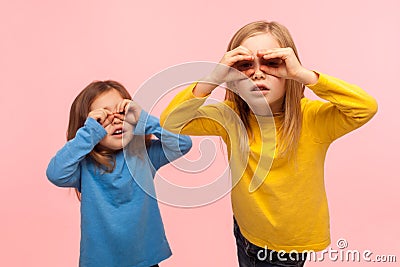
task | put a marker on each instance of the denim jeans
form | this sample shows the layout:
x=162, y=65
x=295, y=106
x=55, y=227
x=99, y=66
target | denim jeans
x=250, y=255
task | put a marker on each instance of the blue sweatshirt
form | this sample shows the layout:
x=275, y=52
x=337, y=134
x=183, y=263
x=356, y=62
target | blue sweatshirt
x=121, y=224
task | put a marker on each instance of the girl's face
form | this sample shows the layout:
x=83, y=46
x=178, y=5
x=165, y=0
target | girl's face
x=117, y=135
x=269, y=89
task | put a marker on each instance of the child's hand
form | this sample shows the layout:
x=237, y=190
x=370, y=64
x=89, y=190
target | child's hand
x=222, y=73
x=284, y=63
x=103, y=116
x=128, y=111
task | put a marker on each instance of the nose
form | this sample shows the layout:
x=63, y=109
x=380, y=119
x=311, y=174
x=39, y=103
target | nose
x=116, y=120
x=258, y=73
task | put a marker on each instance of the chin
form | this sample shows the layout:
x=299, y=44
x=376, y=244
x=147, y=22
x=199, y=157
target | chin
x=260, y=104
x=112, y=146
x=116, y=148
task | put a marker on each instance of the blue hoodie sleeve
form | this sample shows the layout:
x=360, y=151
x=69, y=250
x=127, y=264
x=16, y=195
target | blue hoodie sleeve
x=168, y=147
x=64, y=168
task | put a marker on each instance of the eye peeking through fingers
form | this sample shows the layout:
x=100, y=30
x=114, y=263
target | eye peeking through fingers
x=243, y=65
x=273, y=62
x=119, y=116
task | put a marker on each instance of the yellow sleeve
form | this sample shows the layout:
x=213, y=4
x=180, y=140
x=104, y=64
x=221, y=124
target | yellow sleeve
x=349, y=107
x=187, y=115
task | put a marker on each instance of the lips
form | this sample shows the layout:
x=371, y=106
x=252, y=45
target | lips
x=260, y=87
x=118, y=131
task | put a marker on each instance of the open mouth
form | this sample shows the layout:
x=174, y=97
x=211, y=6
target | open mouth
x=118, y=132
x=260, y=87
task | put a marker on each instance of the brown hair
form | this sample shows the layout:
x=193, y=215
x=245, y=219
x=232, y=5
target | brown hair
x=289, y=131
x=103, y=158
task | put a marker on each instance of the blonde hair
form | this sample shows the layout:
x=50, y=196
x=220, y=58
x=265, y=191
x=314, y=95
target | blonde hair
x=289, y=131
x=103, y=158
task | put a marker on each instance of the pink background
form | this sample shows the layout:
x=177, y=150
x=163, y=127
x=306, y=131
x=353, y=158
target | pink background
x=50, y=50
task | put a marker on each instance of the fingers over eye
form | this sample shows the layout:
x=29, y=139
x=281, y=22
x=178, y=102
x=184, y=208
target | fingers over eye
x=122, y=106
x=108, y=120
x=120, y=116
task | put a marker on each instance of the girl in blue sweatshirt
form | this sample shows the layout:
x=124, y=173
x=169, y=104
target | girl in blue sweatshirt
x=110, y=160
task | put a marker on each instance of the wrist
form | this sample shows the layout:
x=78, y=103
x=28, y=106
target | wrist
x=211, y=80
x=205, y=87
x=307, y=77
x=94, y=118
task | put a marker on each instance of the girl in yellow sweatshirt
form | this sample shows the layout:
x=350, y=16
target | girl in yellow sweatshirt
x=276, y=140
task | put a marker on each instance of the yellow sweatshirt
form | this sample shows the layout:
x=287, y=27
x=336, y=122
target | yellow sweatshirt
x=289, y=210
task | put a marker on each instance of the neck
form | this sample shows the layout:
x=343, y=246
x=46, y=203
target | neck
x=277, y=107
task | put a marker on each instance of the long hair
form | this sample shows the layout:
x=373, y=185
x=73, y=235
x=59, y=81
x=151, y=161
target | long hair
x=103, y=158
x=289, y=131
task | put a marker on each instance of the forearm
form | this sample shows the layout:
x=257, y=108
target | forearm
x=183, y=108
x=63, y=167
x=349, y=99
x=148, y=124
x=307, y=77
x=204, y=88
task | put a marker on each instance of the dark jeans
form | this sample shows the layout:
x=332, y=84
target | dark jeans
x=250, y=255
